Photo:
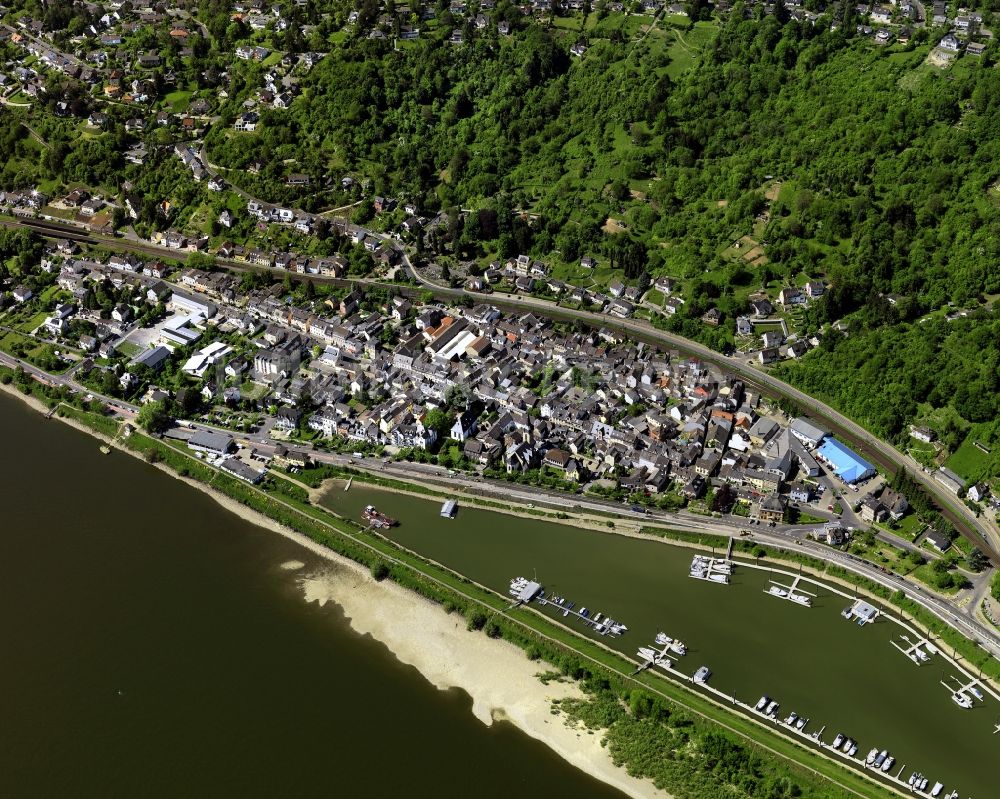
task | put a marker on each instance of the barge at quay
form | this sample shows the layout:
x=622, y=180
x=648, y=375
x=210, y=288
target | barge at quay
x=377, y=519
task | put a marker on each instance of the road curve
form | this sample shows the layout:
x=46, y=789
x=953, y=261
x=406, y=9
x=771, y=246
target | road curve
x=883, y=453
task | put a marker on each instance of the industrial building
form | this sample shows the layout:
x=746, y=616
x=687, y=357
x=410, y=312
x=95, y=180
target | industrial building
x=846, y=464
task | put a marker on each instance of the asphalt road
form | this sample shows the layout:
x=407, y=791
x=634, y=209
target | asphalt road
x=977, y=531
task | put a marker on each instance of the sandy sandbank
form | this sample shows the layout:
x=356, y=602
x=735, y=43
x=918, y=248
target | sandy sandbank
x=502, y=682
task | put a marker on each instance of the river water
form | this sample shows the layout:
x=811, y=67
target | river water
x=841, y=676
x=154, y=646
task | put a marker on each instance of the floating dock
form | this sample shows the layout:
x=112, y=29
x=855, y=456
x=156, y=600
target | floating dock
x=449, y=509
x=715, y=570
x=791, y=592
x=965, y=695
x=525, y=591
x=918, y=651
x=861, y=612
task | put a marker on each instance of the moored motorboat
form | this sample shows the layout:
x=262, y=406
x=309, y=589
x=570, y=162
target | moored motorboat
x=962, y=700
x=702, y=674
x=762, y=703
x=838, y=740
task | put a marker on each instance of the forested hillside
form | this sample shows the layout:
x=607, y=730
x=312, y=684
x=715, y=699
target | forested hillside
x=887, y=165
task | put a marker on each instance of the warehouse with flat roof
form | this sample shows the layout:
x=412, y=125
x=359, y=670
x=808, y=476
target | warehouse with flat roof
x=846, y=464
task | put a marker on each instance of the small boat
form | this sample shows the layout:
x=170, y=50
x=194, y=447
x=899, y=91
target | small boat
x=871, y=756
x=880, y=759
x=801, y=599
x=662, y=639
x=584, y=613
x=962, y=700
x=938, y=787
x=801, y=722
x=702, y=674
x=648, y=654
x=792, y=718
x=888, y=763
x=762, y=703
x=772, y=709
x=853, y=750
x=722, y=567
x=972, y=689
x=920, y=655
x=776, y=591
x=838, y=740
x=677, y=647
x=912, y=779
x=719, y=578
x=923, y=784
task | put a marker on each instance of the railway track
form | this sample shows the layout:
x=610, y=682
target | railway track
x=649, y=335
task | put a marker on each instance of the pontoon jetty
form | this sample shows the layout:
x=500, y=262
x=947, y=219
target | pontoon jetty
x=716, y=570
x=525, y=591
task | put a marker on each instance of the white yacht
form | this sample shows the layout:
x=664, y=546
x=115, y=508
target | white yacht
x=775, y=590
x=802, y=599
x=838, y=740
x=761, y=703
x=962, y=700
x=646, y=653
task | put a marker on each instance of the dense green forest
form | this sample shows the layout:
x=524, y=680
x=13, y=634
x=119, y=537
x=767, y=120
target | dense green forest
x=887, y=167
x=880, y=168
